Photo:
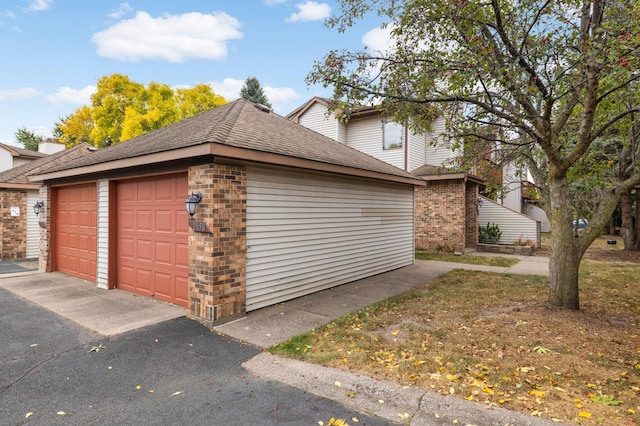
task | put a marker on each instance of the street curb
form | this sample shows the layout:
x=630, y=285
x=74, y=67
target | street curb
x=388, y=400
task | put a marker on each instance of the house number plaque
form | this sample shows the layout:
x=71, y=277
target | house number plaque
x=199, y=226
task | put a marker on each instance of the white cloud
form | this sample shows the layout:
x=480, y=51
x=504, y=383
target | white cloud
x=310, y=11
x=281, y=98
x=121, y=11
x=172, y=38
x=379, y=40
x=39, y=5
x=9, y=14
x=68, y=95
x=15, y=94
x=274, y=2
x=229, y=88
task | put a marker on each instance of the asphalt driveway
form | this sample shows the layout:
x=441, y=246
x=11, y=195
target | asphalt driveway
x=173, y=372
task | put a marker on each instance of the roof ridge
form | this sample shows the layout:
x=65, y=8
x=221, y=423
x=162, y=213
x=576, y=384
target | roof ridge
x=220, y=131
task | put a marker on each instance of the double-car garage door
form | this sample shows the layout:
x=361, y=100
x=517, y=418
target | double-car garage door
x=151, y=238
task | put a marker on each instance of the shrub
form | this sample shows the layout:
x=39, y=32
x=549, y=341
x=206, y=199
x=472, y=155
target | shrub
x=489, y=234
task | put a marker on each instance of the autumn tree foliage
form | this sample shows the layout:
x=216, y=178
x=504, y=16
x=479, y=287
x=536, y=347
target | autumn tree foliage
x=552, y=84
x=122, y=109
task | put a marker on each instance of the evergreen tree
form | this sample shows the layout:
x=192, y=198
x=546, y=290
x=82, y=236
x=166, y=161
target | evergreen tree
x=252, y=91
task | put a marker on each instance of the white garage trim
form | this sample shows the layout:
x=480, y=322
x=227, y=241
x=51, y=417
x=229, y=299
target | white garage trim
x=102, y=268
x=309, y=232
x=33, y=227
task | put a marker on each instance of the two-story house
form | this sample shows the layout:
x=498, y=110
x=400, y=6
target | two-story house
x=449, y=209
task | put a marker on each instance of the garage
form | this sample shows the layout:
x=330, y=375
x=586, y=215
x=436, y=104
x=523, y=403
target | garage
x=76, y=230
x=152, y=240
x=280, y=212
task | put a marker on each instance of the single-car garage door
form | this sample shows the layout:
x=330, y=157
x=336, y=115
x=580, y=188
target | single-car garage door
x=76, y=230
x=153, y=256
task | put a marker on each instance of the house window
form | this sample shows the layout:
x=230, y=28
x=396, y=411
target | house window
x=392, y=135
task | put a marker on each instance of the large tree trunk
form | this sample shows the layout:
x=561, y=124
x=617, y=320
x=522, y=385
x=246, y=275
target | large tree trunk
x=628, y=230
x=564, y=261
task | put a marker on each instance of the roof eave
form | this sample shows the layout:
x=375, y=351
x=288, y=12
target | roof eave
x=8, y=185
x=453, y=176
x=226, y=151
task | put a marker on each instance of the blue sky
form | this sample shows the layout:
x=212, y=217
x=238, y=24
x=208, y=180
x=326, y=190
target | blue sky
x=54, y=51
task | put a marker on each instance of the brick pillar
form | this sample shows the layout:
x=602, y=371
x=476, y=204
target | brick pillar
x=472, y=215
x=217, y=259
x=44, y=219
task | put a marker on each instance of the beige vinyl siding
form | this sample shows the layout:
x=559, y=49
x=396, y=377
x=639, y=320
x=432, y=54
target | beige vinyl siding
x=437, y=153
x=538, y=214
x=417, y=151
x=309, y=232
x=514, y=226
x=365, y=135
x=33, y=227
x=316, y=119
x=103, y=235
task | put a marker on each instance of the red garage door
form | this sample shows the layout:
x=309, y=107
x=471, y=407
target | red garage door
x=75, y=230
x=153, y=237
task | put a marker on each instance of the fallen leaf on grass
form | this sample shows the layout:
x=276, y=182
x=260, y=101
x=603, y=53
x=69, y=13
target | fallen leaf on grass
x=584, y=414
x=541, y=350
x=606, y=400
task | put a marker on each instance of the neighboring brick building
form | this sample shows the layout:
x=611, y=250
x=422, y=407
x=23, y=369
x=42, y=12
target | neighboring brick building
x=19, y=228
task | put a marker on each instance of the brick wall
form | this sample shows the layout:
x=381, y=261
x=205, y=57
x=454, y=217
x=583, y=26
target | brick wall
x=441, y=215
x=217, y=271
x=13, y=228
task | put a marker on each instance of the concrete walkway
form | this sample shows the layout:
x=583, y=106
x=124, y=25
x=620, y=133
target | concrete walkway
x=274, y=324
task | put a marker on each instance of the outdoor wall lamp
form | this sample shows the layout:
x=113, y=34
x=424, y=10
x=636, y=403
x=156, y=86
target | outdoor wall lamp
x=480, y=202
x=191, y=203
x=37, y=207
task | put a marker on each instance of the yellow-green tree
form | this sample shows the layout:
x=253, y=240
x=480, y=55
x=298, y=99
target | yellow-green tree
x=194, y=100
x=155, y=108
x=76, y=128
x=114, y=95
x=122, y=109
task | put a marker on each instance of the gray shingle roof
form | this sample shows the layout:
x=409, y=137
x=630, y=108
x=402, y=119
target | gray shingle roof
x=21, y=152
x=240, y=124
x=20, y=174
